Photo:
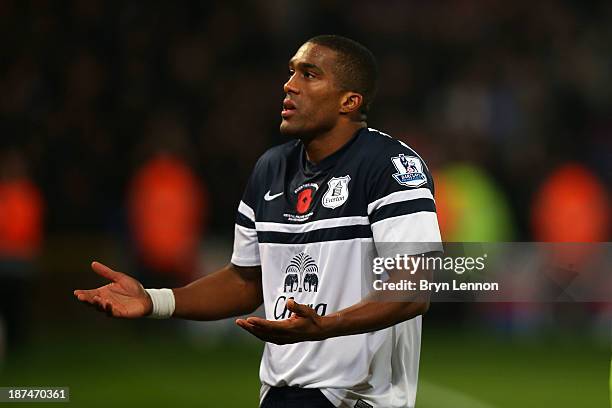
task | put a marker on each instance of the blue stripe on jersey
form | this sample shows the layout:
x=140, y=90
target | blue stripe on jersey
x=319, y=235
x=403, y=208
x=244, y=221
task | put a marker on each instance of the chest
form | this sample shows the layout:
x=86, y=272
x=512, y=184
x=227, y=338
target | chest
x=296, y=197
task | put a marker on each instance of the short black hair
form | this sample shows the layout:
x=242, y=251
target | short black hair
x=356, y=70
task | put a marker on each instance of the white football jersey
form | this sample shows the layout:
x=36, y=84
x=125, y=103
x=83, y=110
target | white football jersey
x=312, y=229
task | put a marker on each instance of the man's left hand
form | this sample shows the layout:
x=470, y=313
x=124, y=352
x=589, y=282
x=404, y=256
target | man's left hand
x=303, y=325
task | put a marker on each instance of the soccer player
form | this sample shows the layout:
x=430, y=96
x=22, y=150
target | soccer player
x=309, y=210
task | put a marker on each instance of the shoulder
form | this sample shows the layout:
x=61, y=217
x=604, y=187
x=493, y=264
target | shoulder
x=269, y=164
x=382, y=143
x=392, y=166
x=281, y=151
x=383, y=152
x=276, y=155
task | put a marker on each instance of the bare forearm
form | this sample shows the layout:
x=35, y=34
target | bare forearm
x=377, y=312
x=230, y=291
x=368, y=316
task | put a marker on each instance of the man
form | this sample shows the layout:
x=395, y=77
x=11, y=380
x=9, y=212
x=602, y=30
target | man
x=308, y=212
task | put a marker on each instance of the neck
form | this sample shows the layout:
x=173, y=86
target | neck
x=324, y=144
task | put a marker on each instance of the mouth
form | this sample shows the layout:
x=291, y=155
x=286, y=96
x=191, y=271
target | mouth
x=289, y=108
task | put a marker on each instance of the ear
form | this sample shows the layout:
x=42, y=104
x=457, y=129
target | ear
x=350, y=102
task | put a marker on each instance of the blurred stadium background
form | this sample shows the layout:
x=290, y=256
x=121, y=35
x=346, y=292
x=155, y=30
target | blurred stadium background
x=128, y=130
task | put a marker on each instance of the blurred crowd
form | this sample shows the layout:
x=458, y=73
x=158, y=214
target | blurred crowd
x=92, y=88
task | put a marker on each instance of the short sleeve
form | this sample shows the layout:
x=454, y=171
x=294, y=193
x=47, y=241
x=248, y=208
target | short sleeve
x=246, y=245
x=401, y=205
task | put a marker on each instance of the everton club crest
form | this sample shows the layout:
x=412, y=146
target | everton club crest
x=409, y=171
x=337, y=192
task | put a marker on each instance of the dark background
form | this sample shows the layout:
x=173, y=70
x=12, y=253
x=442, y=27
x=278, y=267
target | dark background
x=508, y=102
x=515, y=88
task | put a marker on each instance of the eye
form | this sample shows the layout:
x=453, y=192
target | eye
x=308, y=75
x=291, y=72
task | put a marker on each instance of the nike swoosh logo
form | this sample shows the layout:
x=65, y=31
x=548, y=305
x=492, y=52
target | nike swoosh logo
x=269, y=197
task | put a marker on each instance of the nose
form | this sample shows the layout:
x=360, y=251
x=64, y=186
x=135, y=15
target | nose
x=290, y=86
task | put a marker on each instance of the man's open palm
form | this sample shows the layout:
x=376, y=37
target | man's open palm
x=123, y=297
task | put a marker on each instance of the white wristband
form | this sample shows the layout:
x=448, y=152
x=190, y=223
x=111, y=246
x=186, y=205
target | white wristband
x=163, y=303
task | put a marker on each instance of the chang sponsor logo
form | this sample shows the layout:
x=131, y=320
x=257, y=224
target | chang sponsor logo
x=281, y=311
x=301, y=276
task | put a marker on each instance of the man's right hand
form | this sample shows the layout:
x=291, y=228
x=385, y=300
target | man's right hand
x=123, y=297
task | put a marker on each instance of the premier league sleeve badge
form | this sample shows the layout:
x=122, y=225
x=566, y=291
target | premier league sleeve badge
x=409, y=171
